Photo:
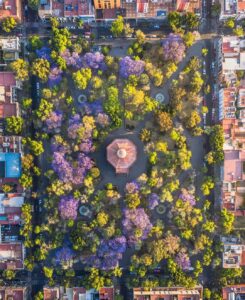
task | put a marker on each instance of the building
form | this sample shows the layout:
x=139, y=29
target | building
x=8, y=95
x=121, y=154
x=10, y=47
x=11, y=8
x=193, y=6
x=231, y=115
x=12, y=255
x=168, y=293
x=68, y=8
x=232, y=8
x=77, y=293
x=147, y=8
x=232, y=53
x=233, y=253
x=233, y=292
x=14, y=293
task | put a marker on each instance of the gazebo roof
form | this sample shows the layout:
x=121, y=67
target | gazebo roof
x=121, y=154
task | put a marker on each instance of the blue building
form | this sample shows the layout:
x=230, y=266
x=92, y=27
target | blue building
x=10, y=165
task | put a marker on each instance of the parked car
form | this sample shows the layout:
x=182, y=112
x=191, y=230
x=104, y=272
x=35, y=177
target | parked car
x=204, y=68
x=213, y=114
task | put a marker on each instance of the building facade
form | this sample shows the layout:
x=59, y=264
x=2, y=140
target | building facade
x=231, y=115
x=168, y=293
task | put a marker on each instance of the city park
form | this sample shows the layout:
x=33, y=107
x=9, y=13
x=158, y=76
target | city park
x=119, y=200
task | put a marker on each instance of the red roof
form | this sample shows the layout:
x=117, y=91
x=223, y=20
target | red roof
x=18, y=293
x=106, y=293
x=11, y=256
x=7, y=79
x=121, y=154
x=11, y=8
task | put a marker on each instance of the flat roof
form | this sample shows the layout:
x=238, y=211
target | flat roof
x=12, y=164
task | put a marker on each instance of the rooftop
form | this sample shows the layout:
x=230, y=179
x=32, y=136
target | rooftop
x=230, y=291
x=10, y=164
x=10, y=43
x=233, y=51
x=10, y=8
x=173, y=293
x=13, y=292
x=11, y=256
x=77, y=293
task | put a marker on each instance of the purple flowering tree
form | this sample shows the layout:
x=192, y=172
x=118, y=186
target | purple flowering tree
x=128, y=66
x=103, y=119
x=183, y=261
x=187, y=197
x=153, y=201
x=108, y=253
x=44, y=52
x=69, y=173
x=65, y=256
x=54, y=120
x=72, y=59
x=136, y=224
x=132, y=187
x=68, y=208
x=55, y=77
x=94, y=60
x=173, y=48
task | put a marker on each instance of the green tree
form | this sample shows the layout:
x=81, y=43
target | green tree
x=207, y=185
x=238, y=31
x=169, y=69
x=102, y=218
x=82, y=77
x=54, y=22
x=230, y=23
x=128, y=30
x=117, y=26
x=33, y=4
x=216, y=142
x=14, y=125
x=41, y=68
x=191, y=20
x=26, y=180
x=36, y=147
x=48, y=272
x=196, y=82
x=44, y=109
x=9, y=274
x=113, y=107
x=140, y=36
x=35, y=42
x=61, y=39
x=193, y=120
x=8, y=24
x=26, y=103
x=206, y=294
x=164, y=121
x=39, y=296
x=204, y=52
x=215, y=9
x=174, y=19
x=189, y=39
x=209, y=226
x=21, y=69
x=227, y=220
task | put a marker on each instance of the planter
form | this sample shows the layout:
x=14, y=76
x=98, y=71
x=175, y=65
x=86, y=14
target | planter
x=82, y=98
x=84, y=211
x=161, y=209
